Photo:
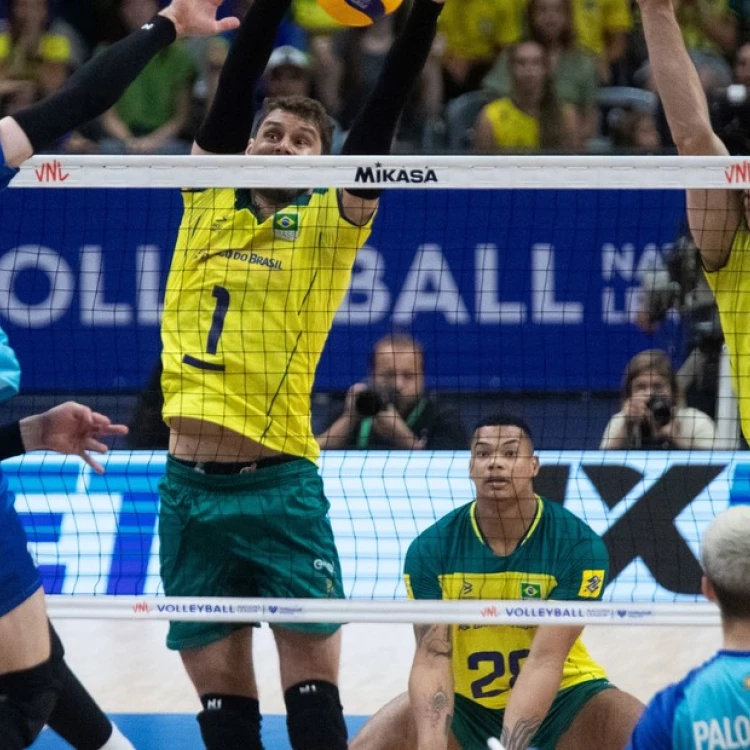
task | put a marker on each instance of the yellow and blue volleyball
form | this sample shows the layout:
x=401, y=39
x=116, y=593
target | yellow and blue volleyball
x=358, y=12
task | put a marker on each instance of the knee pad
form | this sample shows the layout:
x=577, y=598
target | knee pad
x=27, y=698
x=315, y=716
x=230, y=722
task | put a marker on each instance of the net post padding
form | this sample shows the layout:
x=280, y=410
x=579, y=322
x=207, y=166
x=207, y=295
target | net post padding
x=400, y=172
x=479, y=612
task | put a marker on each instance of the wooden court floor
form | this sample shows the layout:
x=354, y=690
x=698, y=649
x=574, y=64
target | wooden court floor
x=129, y=670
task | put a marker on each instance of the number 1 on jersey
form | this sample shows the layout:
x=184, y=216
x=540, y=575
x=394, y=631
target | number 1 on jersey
x=221, y=295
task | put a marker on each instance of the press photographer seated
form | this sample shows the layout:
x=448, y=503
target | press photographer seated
x=392, y=411
x=653, y=414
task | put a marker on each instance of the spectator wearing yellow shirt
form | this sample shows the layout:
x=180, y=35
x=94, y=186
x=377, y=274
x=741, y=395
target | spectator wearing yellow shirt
x=472, y=33
x=532, y=117
x=602, y=28
x=29, y=42
x=573, y=69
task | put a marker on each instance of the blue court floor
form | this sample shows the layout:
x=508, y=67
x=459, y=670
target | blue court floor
x=178, y=731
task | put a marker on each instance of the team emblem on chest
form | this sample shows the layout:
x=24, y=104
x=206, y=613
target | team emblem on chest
x=286, y=225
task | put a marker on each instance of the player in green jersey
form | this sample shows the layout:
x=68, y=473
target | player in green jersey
x=531, y=686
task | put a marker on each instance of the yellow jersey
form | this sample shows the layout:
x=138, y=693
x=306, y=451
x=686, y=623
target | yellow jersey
x=594, y=19
x=731, y=287
x=248, y=309
x=477, y=29
x=512, y=127
x=559, y=558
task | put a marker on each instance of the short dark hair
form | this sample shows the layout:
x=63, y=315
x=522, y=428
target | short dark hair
x=303, y=107
x=503, y=419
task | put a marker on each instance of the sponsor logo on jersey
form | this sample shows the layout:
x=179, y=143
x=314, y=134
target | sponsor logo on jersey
x=286, y=225
x=531, y=591
x=746, y=682
x=592, y=583
x=323, y=565
x=379, y=175
x=253, y=259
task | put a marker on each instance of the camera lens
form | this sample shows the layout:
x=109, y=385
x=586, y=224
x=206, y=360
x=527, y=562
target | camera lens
x=368, y=403
x=661, y=410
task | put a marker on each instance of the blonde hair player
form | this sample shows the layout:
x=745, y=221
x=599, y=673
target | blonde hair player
x=36, y=684
x=710, y=708
x=718, y=219
x=532, y=686
x=256, y=279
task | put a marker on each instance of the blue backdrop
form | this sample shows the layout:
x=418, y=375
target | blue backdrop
x=529, y=290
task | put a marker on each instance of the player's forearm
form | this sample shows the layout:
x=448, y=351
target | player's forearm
x=375, y=127
x=227, y=126
x=431, y=699
x=676, y=78
x=91, y=91
x=530, y=700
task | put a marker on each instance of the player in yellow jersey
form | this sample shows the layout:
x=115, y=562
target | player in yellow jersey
x=531, y=686
x=719, y=219
x=255, y=281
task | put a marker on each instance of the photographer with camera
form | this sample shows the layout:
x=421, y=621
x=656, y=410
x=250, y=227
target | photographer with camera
x=392, y=411
x=679, y=284
x=653, y=414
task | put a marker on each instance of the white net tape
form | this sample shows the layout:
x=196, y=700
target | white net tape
x=435, y=172
x=477, y=612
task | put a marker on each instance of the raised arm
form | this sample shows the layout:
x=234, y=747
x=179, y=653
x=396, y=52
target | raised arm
x=431, y=686
x=102, y=81
x=374, y=128
x=537, y=685
x=713, y=215
x=226, y=129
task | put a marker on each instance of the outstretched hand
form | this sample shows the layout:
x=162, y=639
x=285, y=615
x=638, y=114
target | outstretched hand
x=70, y=429
x=197, y=18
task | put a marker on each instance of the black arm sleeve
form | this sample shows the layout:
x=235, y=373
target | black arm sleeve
x=227, y=126
x=375, y=126
x=97, y=86
x=11, y=443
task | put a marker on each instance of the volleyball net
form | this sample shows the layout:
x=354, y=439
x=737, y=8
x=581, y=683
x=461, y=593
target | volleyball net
x=524, y=280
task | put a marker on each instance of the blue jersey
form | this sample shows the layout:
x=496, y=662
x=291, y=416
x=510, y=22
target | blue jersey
x=6, y=173
x=708, y=710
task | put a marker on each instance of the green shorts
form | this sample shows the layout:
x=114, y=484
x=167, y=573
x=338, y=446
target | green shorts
x=264, y=533
x=473, y=724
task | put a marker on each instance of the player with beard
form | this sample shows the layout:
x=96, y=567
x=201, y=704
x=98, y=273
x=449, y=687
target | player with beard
x=392, y=411
x=256, y=279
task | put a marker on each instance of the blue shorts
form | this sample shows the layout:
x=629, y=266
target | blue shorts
x=19, y=577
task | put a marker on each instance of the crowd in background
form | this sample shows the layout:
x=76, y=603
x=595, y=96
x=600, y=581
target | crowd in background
x=505, y=75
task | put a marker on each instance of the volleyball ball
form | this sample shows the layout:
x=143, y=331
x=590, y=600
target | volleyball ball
x=358, y=12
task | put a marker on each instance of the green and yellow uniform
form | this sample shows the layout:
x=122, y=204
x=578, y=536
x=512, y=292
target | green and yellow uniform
x=731, y=287
x=511, y=126
x=559, y=558
x=248, y=308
